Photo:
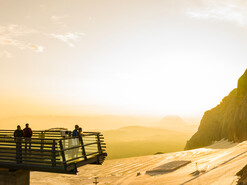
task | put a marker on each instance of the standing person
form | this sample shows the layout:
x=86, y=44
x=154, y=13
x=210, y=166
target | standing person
x=80, y=132
x=78, y=141
x=28, y=133
x=18, y=134
x=75, y=131
x=74, y=142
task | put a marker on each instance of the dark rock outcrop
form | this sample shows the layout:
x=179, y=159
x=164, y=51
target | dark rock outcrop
x=228, y=120
x=242, y=176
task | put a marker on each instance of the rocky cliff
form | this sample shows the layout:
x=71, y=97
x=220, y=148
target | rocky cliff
x=228, y=120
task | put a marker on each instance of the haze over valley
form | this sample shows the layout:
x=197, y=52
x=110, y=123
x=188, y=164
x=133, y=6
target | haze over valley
x=164, y=82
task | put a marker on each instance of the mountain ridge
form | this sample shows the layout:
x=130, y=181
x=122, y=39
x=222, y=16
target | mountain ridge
x=228, y=120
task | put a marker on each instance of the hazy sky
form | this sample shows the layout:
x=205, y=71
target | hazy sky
x=135, y=57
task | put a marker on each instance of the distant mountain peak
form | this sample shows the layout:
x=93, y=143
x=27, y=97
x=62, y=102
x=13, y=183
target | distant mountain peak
x=176, y=123
x=172, y=119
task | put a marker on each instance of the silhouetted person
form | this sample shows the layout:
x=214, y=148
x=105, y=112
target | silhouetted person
x=18, y=134
x=75, y=131
x=27, y=134
x=75, y=142
x=80, y=132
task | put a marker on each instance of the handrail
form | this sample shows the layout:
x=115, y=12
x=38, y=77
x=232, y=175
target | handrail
x=52, y=153
x=33, y=138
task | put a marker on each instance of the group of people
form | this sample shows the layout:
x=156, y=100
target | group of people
x=24, y=136
x=77, y=131
x=27, y=133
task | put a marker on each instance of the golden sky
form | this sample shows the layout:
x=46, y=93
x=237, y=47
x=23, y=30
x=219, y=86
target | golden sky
x=135, y=57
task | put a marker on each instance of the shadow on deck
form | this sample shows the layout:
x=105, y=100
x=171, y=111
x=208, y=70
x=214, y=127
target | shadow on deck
x=50, y=151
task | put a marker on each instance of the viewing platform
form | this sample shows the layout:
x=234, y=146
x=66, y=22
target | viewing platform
x=51, y=151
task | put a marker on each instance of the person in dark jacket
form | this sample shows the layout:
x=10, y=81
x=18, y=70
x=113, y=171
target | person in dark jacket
x=18, y=134
x=75, y=131
x=28, y=133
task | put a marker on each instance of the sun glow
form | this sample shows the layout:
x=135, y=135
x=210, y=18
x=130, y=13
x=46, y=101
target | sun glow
x=154, y=62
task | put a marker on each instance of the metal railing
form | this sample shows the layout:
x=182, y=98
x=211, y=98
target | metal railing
x=51, y=152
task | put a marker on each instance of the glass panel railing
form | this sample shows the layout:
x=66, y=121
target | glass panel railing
x=90, y=142
x=72, y=149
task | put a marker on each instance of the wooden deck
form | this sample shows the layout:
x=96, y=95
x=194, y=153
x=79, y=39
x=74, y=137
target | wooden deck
x=50, y=151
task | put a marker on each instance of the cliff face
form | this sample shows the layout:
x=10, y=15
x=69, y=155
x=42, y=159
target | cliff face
x=228, y=120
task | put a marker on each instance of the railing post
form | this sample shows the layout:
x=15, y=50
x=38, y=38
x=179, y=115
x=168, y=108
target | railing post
x=53, y=160
x=42, y=137
x=99, y=144
x=62, y=153
x=83, y=147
